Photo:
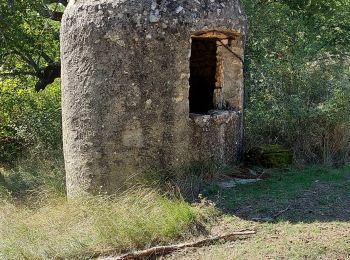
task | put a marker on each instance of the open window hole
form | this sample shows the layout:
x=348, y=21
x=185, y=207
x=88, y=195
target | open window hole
x=203, y=68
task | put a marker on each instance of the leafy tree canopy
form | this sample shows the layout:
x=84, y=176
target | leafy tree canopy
x=29, y=39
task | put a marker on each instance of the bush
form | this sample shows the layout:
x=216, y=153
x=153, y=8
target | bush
x=29, y=121
x=10, y=147
x=273, y=156
x=297, y=78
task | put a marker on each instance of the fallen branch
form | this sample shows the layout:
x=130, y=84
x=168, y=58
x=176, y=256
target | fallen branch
x=164, y=250
x=272, y=218
x=281, y=212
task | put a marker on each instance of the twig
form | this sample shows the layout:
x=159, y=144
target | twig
x=281, y=212
x=271, y=218
x=164, y=250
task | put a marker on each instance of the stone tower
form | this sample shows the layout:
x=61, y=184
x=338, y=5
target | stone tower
x=148, y=85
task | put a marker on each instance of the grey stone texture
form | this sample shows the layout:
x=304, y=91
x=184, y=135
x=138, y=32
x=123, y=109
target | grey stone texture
x=126, y=68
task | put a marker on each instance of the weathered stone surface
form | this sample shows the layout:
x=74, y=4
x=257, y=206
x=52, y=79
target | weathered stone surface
x=229, y=184
x=125, y=88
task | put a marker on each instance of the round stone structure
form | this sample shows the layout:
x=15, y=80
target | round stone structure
x=149, y=85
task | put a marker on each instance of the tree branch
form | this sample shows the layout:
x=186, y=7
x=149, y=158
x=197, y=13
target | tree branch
x=46, y=12
x=164, y=250
x=48, y=75
x=63, y=2
x=45, y=76
x=28, y=60
x=18, y=73
x=56, y=16
x=46, y=57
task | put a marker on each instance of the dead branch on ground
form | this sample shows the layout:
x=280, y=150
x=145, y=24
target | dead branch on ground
x=164, y=250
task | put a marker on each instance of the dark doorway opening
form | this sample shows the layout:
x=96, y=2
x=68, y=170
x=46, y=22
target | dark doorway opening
x=203, y=64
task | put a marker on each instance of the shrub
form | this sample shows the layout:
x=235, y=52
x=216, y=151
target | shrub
x=297, y=78
x=29, y=121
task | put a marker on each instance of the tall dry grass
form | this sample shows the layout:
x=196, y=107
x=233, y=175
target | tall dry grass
x=80, y=228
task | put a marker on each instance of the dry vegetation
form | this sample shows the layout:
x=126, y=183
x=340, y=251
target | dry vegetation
x=45, y=225
x=283, y=240
x=86, y=227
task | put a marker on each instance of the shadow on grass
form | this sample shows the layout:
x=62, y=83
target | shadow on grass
x=312, y=194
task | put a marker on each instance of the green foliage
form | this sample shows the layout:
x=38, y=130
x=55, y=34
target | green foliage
x=34, y=174
x=281, y=185
x=29, y=42
x=28, y=120
x=28, y=39
x=274, y=156
x=298, y=77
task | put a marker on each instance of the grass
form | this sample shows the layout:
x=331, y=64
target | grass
x=32, y=173
x=84, y=227
x=317, y=226
x=280, y=186
x=281, y=240
x=39, y=225
x=37, y=222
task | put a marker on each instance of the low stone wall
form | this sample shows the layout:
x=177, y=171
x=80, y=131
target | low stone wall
x=216, y=137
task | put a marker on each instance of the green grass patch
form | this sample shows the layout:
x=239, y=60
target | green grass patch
x=281, y=185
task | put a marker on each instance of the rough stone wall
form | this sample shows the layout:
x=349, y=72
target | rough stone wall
x=216, y=137
x=233, y=85
x=125, y=87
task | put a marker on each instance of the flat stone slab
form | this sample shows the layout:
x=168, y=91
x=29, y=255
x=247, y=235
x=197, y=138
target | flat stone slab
x=236, y=181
